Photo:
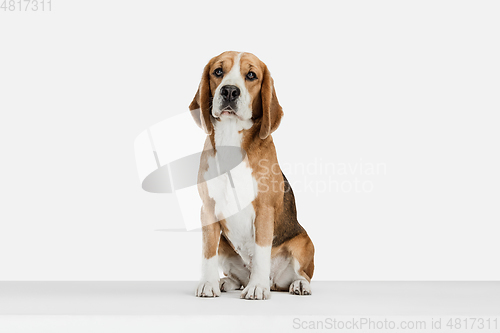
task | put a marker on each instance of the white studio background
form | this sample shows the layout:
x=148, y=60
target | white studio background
x=409, y=86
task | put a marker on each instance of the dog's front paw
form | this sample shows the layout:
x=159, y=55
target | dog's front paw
x=300, y=287
x=208, y=289
x=256, y=291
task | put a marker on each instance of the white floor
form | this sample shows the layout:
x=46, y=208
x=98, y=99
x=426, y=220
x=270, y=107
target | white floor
x=132, y=306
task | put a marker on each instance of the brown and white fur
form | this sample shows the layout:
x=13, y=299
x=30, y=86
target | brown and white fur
x=262, y=247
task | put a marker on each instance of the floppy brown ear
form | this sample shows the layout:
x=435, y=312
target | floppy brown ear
x=200, y=106
x=271, y=109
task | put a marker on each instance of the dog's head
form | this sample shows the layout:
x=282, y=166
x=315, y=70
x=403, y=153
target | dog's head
x=236, y=85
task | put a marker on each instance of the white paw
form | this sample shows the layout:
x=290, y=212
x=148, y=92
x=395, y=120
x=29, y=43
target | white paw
x=227, y=284
x=208, y=289
x=256, y=291
x=300, y=287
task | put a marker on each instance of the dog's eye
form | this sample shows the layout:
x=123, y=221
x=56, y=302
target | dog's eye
x=251, y=76
x=218, y=72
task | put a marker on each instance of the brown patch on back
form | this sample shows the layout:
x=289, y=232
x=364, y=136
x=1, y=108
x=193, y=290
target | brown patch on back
x=286, y=225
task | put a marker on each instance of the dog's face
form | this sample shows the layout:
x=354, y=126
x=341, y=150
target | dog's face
x=237, y=85
x=235, y=81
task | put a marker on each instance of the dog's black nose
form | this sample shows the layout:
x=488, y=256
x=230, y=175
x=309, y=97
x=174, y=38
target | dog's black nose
x=230, y=93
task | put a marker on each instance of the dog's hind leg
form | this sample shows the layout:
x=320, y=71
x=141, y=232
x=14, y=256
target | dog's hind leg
x=296, y=276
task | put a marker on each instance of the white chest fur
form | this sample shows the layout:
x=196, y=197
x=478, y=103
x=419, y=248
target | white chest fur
x=233, y=190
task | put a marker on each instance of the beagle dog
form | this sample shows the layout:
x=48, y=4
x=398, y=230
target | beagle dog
x=249, y=219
